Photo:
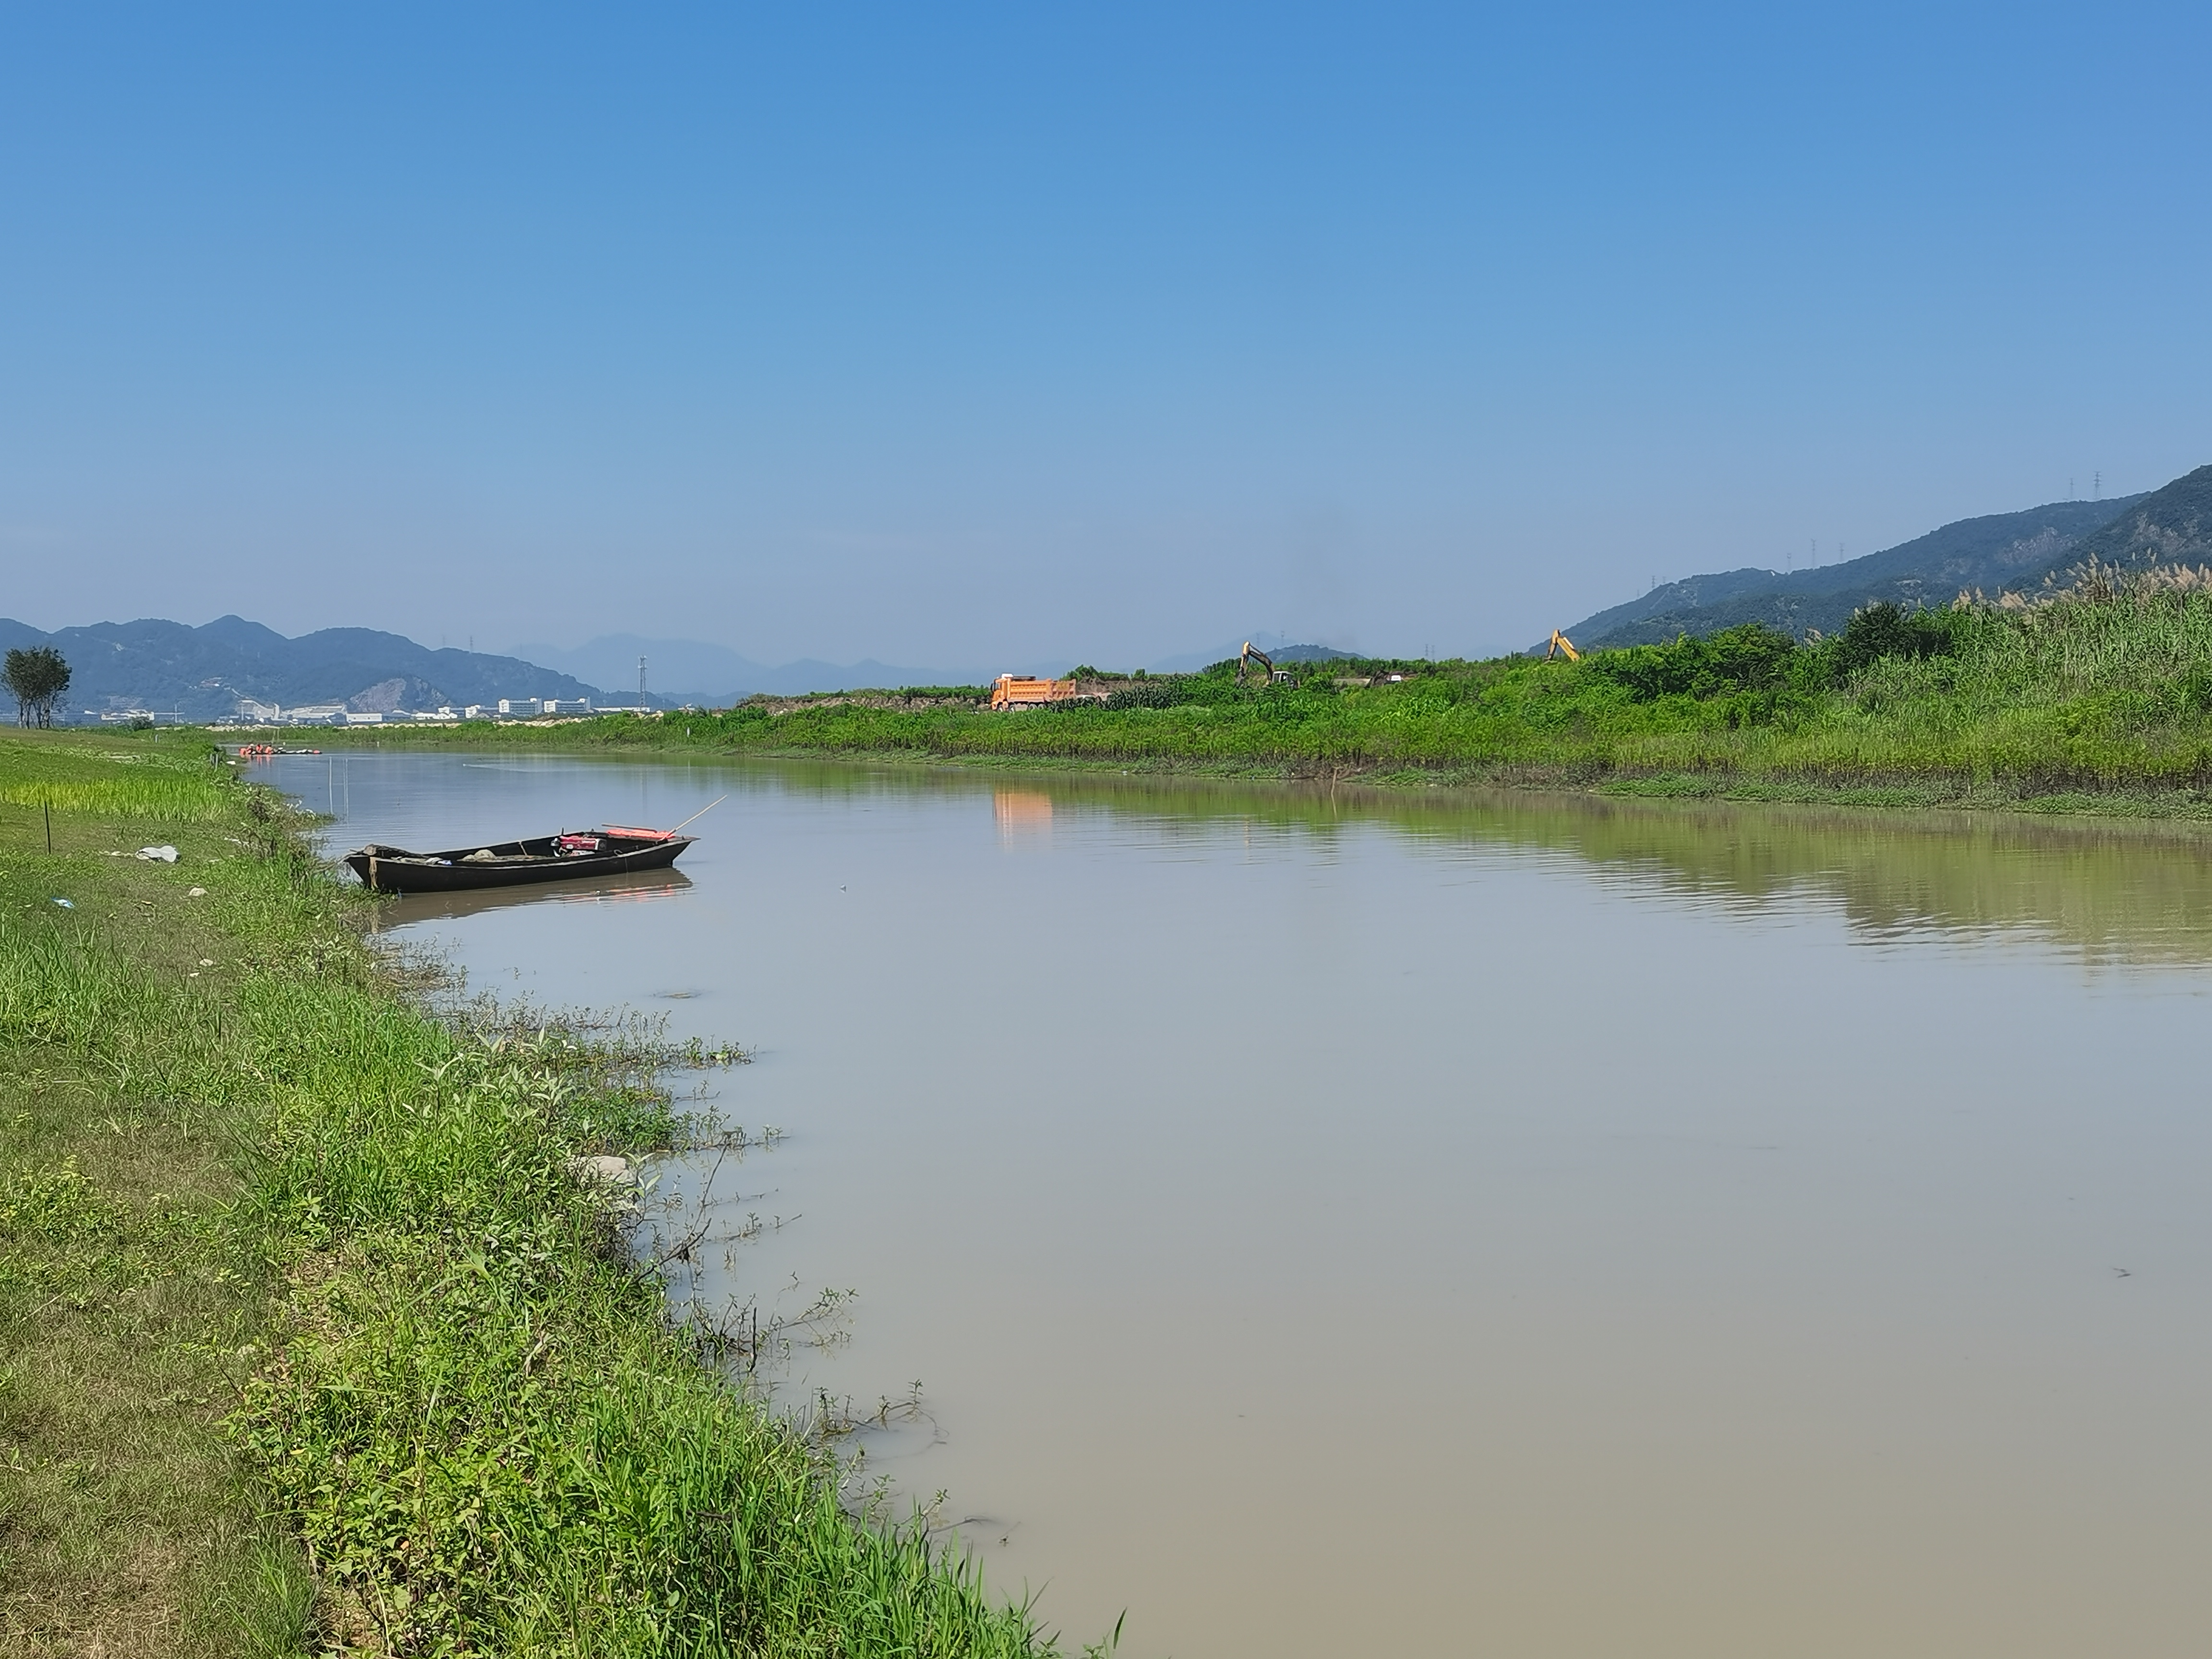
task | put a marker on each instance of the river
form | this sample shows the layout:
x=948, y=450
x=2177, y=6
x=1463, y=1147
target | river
x=1324, y=1223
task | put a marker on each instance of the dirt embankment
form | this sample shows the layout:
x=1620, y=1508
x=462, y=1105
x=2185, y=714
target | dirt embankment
x=916, y=703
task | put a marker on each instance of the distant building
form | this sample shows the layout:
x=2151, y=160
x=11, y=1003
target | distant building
x=353, y=717
x=261, y=713
x=567, y=705
x=513, y=706
x=316, y=713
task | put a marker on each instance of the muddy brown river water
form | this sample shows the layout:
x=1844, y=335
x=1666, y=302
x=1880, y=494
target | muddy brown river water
x=1324, y=1225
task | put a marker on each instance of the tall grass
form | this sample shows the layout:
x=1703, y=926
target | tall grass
x=2110, y=634
x=155, y=797
x=171, y=781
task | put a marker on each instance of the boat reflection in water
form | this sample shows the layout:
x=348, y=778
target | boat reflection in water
x=642, y=887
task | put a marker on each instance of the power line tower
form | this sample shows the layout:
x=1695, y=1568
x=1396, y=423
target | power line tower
x=641, y=682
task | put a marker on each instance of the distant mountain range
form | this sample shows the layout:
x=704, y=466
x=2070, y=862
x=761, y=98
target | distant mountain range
x=2171, y=526
x=2008, y=550
x=207, y=673
x=692, y=670
x=202, y=673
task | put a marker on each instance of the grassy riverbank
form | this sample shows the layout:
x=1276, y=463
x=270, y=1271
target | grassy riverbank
x=312, y=1339
x=2097, y=698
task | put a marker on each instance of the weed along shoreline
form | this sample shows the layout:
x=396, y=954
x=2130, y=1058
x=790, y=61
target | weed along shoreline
x=2091, y=698
x=321, y=1333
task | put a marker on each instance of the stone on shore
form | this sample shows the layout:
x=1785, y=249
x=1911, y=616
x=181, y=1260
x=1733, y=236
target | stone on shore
x=603, y=1170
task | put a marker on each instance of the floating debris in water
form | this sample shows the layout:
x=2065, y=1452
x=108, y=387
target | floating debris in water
x=66, y=905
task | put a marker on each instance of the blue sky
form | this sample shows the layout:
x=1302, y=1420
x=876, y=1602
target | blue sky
x=984, y=335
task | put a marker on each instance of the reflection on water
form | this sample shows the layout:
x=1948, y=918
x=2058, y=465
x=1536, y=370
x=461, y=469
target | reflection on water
x=1330, y=1223
x=1021, y=811
x=636, y=887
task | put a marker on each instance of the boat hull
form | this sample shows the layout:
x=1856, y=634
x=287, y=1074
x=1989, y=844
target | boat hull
x=510, y=864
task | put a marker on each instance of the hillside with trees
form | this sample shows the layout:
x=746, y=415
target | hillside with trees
x=2001, y=551
x=202, y=673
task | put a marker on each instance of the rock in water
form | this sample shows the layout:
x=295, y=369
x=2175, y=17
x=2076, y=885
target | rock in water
x=604, y=1169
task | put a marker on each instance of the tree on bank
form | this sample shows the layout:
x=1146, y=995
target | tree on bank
x=38, y=678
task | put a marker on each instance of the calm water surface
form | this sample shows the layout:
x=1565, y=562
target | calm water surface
x=1324, y=1226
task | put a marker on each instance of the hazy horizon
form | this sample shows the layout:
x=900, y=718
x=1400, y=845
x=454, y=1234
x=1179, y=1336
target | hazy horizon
x=1007, y=337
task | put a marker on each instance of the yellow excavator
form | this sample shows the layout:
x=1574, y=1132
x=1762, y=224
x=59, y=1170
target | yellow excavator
x=1559, y=642
x=1250, y=654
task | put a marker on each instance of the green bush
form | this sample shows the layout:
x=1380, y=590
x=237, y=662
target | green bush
x=1751, y=658
x=1887, y=630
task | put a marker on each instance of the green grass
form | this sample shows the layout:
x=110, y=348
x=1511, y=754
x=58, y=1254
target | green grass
x=313, y=1340
x=149, y=782
x=2104, y=692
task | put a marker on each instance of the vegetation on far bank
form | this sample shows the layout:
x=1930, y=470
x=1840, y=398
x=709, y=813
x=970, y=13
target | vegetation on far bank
x=314, y=1337
x=2104, y=688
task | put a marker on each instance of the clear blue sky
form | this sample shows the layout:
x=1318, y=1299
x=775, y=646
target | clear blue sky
x=978, y=336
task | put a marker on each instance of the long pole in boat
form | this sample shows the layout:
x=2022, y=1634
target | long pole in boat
x=702, y=812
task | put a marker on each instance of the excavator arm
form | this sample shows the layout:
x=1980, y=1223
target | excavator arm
x=1561, y=642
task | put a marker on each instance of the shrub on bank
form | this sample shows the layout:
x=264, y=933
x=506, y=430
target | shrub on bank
x=1885, y=629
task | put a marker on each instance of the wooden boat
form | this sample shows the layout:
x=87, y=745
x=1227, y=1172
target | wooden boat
x=570, y=856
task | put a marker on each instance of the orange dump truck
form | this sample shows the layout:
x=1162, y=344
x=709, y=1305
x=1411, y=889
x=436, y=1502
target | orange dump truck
x=1020, y=691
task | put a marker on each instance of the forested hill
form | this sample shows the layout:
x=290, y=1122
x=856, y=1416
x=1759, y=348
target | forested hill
x=2004, y=550
x=202, y=672
x=2173, y=526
